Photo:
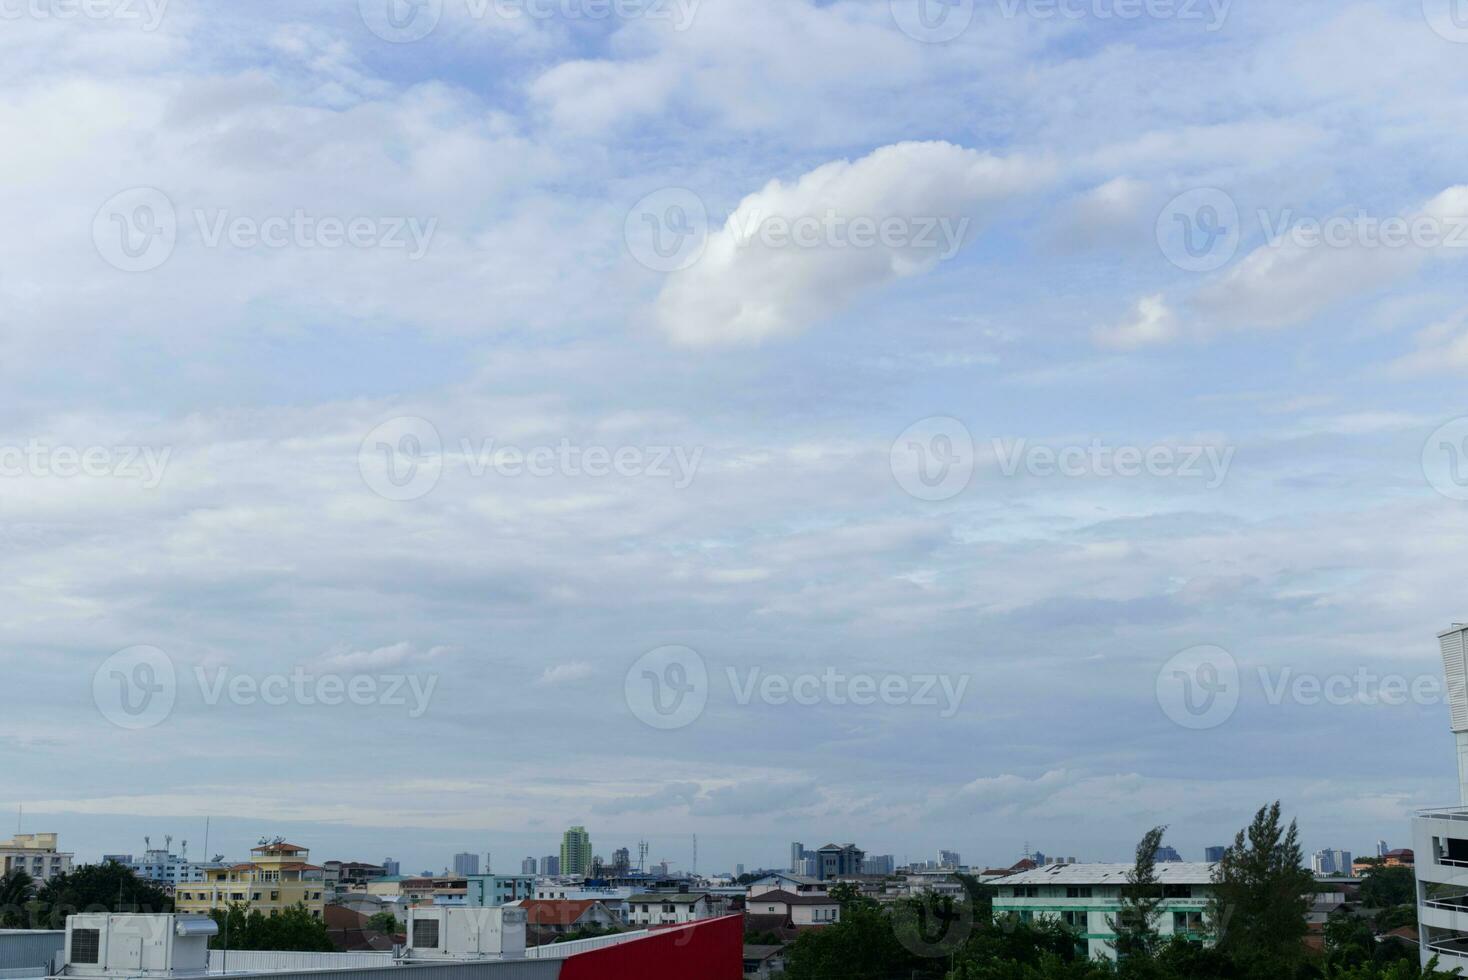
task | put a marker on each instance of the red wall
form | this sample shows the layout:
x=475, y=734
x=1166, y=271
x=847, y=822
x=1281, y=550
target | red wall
x=709, y=950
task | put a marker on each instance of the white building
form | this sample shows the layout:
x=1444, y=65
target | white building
x=157, y=864
x=779, y=881
x=35, y=854
x=671, y=908
x=802, y=910
x=1087, y=897
x=1440, y=837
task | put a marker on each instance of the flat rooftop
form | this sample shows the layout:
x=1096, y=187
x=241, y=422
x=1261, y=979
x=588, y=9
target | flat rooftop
x=1168, y=873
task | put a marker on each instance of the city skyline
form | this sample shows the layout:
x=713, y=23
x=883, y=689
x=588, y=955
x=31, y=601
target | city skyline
x=612, y=405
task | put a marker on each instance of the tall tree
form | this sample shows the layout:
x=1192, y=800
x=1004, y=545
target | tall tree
x=1261, y=894
x=106, y=887
x=16, y=891
x=1135, y=923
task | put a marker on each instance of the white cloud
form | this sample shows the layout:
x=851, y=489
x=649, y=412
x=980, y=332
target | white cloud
x=794, y=253
x=566, y=673
x=1151, y=323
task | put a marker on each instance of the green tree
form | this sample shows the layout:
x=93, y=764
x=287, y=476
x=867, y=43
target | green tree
x=1383, y=887
x=1135, y=924
x=294, y=928
x=106, y=887
x=1261, y=893
x=16, y=891
x=384, y=922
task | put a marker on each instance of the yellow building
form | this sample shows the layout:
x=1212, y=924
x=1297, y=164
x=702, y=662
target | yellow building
x=277, y=877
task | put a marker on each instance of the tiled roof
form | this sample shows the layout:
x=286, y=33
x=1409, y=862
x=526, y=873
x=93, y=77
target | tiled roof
x=555, y=912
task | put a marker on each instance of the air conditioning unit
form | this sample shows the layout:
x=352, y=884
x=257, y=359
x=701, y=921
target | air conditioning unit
x=441, y=933
x=100, y=944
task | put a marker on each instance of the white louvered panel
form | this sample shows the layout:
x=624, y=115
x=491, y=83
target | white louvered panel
x=1453, y=648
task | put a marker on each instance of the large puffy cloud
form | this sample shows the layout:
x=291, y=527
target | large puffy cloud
x=793, y=253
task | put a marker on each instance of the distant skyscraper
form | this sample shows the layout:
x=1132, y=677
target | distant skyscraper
x=550, y=865
x=1214, y=854
x=1331, y=862
x=527, y=866
x=621, y=861
x=797, y=855
x=391, y=867
x=576, y=852
x=1169, y=855
x=466, y=864
x=879, y=864
x=949, y=859
x=1381, y=848
x=739, y=871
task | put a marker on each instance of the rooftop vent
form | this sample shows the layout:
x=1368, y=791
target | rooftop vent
x=446, y=933
x=137, y=945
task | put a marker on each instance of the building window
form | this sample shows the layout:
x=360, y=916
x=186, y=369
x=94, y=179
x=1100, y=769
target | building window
x=86, y=945
x=1177, y=891
x=1083, y=892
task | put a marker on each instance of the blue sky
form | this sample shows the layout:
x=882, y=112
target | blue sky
x=265, y=380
